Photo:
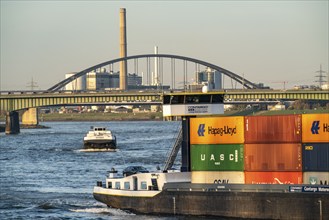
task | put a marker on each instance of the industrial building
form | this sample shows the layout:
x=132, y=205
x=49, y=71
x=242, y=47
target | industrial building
x=103, y=80
x=209, y=77
x=78, y=84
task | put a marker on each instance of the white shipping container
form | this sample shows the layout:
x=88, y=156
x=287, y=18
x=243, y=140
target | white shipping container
x=321, y=178
x=219, y=177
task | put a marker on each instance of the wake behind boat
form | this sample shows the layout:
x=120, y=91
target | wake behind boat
x=100, y=138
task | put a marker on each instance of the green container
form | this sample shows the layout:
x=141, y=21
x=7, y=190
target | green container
x=217, y=157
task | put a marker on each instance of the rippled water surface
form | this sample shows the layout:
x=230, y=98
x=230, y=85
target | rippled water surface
x=45, y=174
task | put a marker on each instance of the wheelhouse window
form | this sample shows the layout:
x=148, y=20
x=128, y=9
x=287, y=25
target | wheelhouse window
x=110, y=185
x=166, y=99
x=193, y=99
x=117, y=185
x=143, y=185
x=217, y=98
x=178, y=99
x=126, y=185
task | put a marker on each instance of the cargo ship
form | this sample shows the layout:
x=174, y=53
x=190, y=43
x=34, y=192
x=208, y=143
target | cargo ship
x=258, y=167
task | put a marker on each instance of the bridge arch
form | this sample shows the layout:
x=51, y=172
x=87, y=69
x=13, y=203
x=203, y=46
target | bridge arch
x=248, y=84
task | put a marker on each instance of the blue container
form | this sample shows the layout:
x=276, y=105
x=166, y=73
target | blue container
x=316, y=157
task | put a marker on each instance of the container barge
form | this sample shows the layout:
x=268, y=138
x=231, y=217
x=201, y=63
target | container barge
x=255, y=167
x=174, y=194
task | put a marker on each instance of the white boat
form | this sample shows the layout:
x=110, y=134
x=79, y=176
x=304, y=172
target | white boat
x=100, y=138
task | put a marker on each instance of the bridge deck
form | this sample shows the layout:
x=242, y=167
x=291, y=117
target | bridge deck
x=16, y=100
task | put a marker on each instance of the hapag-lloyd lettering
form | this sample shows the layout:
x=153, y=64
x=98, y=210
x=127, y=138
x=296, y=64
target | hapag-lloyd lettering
x=325, y=127
x=226, y=130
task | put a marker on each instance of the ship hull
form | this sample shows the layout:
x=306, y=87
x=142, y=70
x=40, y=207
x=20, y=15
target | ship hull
x=100, y=144
x=255, y=205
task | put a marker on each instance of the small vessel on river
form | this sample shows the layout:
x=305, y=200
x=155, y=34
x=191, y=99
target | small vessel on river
x=100, y=138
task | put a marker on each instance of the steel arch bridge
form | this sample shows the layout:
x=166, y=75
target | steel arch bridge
x=248, y=84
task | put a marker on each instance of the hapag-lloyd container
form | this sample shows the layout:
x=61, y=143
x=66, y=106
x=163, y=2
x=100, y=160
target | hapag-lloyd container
x=217, y=130
x=217, y=177
x=219, y=157
x=315, y=128
x=273, y=177
x=273, y=157
x=273, y=129
x=315, y=157
x=318, y=178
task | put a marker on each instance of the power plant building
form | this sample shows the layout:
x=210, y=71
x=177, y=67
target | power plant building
x=134, y=79
x=78, y=84
x=97, y=80
x=100, y=80
x=212, y=78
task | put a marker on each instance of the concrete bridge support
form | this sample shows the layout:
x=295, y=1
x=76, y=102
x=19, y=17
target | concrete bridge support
x=12, y=123
x=30, y=117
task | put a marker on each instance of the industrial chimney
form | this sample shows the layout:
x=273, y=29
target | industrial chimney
x=156, y=74
x=123, y=50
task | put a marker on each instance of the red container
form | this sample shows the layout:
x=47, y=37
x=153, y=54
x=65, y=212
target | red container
x=273, y=129
x=273, y=157
x=273, y=177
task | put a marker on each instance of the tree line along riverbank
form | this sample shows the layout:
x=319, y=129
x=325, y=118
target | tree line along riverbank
x=145, y=116
x=98, y=116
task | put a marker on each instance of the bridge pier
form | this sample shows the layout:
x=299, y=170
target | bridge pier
x=12, y=123
x=30, y=117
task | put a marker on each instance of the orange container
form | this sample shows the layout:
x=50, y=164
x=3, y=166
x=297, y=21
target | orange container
x=274, y=177
x=217, y=130
x=315, y=128
x=273, y=129
x=273, y=157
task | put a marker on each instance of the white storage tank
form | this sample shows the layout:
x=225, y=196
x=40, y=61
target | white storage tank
x=77, y=84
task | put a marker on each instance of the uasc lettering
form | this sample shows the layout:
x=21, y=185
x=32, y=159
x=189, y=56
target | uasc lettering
x=221, y=157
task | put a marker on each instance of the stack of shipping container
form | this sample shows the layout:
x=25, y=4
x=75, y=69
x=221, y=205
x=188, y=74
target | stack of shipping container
x=273, y=153
x=281, y=149
x=217, y=150
x=315, y=138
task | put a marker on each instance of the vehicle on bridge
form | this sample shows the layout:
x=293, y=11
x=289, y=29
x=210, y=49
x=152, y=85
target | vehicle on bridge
x=100, y=138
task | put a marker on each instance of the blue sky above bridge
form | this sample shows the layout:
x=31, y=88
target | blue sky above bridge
x=266, y=41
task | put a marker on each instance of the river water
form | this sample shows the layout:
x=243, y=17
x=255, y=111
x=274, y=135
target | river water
x=46, y=174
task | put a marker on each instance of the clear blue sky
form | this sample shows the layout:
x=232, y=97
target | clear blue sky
x=267, y=41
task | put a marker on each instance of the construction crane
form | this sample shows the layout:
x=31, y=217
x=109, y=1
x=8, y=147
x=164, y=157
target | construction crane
x=283, y=83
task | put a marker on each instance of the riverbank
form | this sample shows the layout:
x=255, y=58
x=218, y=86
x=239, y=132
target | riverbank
x=148, y=116
x=97, y=116
x=89, y=116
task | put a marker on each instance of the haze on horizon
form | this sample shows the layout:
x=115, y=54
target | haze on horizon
x=266, y=41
